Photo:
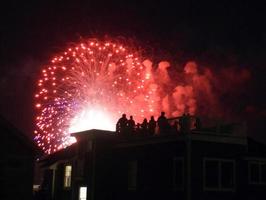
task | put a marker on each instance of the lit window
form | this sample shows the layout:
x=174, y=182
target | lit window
x=82, y=193
x=257, y=172
x=219, y=174
x=178, y=173
x=132, y=174
x=67, y=177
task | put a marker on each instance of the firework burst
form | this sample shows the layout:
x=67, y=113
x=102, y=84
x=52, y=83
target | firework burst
x=89, y=86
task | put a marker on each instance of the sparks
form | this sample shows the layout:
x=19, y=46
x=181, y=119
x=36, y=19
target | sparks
x=89, y=86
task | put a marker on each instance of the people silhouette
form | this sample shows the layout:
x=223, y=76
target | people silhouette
x=144, y=126
x=138, y=128
x=152, y=126
x=184, y=122
x=121, y=125
x=131, y=125
x=175, y=127
x=198, y=124
x=163, y=123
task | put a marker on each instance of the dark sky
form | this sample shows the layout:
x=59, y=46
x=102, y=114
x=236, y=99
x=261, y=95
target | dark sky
x=218, y=33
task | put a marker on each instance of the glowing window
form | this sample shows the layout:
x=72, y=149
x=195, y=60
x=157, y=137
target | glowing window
x=82, y=193
x=67, y=177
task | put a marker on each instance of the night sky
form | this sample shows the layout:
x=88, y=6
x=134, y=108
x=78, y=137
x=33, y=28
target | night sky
x=217, y=34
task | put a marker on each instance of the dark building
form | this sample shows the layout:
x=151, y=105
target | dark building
x=215, y=163
x=16, y=164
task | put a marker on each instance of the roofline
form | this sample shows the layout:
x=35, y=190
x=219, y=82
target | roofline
x=18, y=133
x=94, y=133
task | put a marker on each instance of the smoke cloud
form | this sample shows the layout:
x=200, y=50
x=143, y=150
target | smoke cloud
x=198, y=90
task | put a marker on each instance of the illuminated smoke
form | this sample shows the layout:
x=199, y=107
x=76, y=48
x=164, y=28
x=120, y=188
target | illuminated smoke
x=92, y=83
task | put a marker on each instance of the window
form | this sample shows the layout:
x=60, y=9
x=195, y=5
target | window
x=212, y=174
x=132, y=174
x=227, y=174
x=219, y=174
x=83, y=193
x=263, y=172
x=257, y=172
x=178, y=173
x=67, y=176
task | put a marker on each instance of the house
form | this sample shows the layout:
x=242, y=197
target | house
x=16, y=163
x=214, y=163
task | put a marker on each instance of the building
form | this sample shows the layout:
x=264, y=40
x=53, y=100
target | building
x=16, y=163
x=214, y=163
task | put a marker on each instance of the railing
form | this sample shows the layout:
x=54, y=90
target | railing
x=192, y=124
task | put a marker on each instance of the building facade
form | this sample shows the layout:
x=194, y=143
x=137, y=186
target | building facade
x=16, y=164
x=199, y=164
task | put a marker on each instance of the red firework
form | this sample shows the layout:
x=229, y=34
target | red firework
x=89, y=86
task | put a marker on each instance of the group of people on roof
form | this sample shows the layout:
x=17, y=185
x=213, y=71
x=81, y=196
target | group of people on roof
x=128, y=126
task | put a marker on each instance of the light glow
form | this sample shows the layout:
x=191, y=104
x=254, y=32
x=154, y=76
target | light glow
x=89, y=87
x=91, y=118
